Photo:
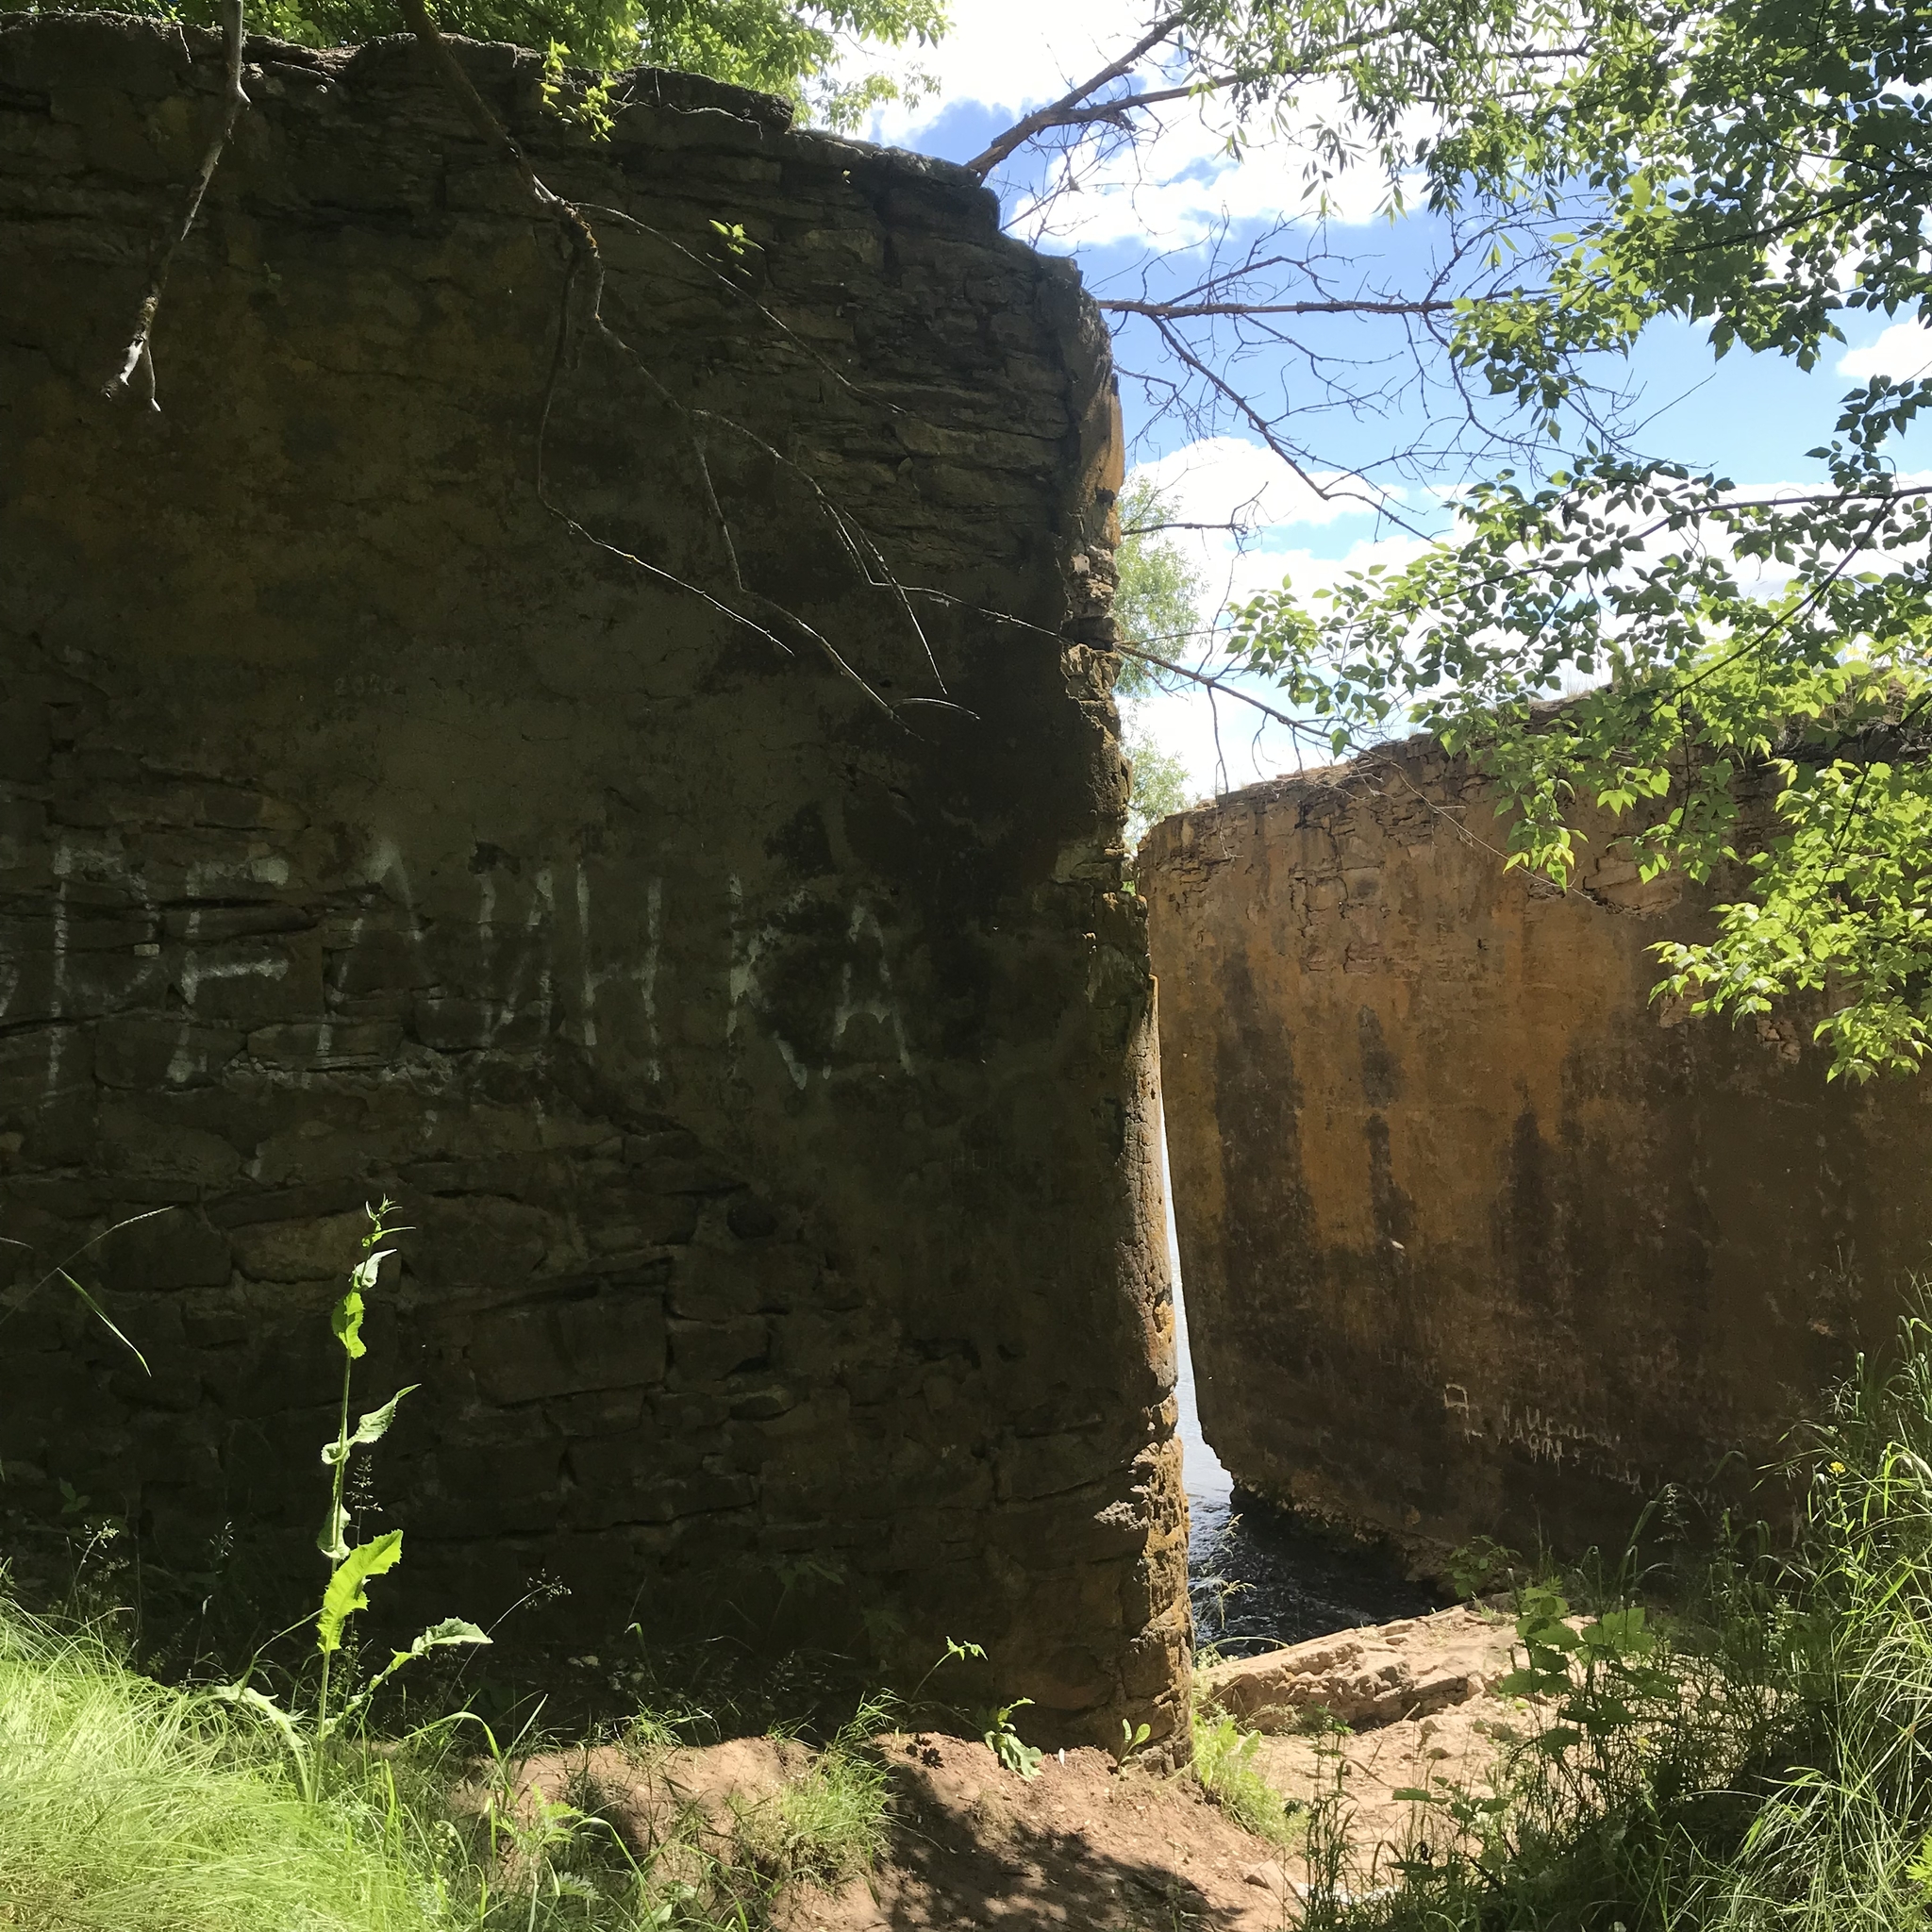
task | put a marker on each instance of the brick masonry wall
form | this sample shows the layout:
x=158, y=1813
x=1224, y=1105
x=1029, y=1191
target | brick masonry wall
x=1474, y=1238
x=766, y=1075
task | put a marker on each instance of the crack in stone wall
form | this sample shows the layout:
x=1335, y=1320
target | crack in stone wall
x=1477, y=1238
x=768, y=1082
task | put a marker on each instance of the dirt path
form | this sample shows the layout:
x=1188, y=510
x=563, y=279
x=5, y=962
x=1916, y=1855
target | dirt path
x=1081, y=1845
x=1411, y=1704
x=1087, y=1845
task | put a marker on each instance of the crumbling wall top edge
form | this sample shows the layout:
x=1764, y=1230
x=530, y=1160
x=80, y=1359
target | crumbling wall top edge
x=1414, y=756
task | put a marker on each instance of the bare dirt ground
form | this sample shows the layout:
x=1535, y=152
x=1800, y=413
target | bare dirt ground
x=1088, y=1845
x=1405, y=1705
x=1083, y=1845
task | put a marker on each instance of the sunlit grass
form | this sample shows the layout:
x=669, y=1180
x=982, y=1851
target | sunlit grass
x=128, y=1806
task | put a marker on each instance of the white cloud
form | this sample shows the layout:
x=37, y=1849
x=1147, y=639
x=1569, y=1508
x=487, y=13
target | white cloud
x=1223, y=479
x=1007, y=56
x=1903, y=350
x=1173, y=190
x=1180, y=186
x=1226, y=478
x=1226, y=743
x=1265, y=570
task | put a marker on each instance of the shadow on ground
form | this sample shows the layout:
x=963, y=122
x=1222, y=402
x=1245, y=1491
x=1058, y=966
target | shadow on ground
x=1081, y=1846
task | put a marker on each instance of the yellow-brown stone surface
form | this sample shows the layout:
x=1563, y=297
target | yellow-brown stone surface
x=1476, y=1237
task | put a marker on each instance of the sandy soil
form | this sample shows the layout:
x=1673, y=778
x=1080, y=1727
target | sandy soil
x=1405, y=1705
x=1087, y=1845
x=1083, y=1845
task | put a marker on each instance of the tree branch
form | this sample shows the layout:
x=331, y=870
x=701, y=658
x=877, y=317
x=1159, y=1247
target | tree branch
x=1069, y=109
x=1264, y=428
x=139, y=360
x=1183, y=311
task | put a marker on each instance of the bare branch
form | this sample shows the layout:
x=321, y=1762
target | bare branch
x=1070, y=110
x=139, y=360
x=1265, y=429
x=1232, y=526
x=581, y=313
x=477, y=111
x=1211, y=681
x=1184, y=311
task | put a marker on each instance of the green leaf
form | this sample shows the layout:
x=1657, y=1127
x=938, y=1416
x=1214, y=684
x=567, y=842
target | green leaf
x=345, y=1594
x=1621, y=1633
x=346, y=1320
x=1529, y=1683
x=247, y=1698
x=100, y=1315
x=332, y=1538
x=451, y=1631
x=371, y=1429
x=1014, y=1753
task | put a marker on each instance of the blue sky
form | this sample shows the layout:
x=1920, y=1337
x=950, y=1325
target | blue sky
x=1750, y=418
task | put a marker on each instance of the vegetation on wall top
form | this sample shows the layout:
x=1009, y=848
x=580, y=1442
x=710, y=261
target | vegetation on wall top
x=775, y=45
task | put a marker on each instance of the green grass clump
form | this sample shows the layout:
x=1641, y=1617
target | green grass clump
x=1224, y=1765
x=1759, y=1759
x=834, y=1816
x=828, y=1823
x=128, y=1806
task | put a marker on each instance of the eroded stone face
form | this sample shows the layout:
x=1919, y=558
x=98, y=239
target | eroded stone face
x=1475, y=1238
x=765, y=1073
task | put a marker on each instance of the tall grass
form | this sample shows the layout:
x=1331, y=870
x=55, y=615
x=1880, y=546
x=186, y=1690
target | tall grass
x=128, y=1806
x=131, y=1805
x=1842, y=1841
x=1760, y=1761
x=1225, y=1767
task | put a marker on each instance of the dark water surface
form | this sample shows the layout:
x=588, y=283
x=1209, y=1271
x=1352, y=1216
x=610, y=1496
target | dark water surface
x=1257, y=1578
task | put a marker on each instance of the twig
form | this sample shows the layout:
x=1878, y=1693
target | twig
x=1184, y=311
x=583, y=310
x=725, y=281
x=1209, y=681
x=1265, y=429
x=1068, y=107
x=139, y=360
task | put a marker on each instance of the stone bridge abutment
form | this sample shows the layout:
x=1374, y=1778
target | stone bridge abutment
x=1477, y=1237
x=760, y=1048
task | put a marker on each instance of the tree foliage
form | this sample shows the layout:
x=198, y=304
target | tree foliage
x=1156, y=604
x=1161, y=786
x=1156, y=607
x=777, y=45
x=1760, y=171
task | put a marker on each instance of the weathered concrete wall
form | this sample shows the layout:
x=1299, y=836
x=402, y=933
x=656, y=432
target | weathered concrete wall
x=767, y=1080
x=1474, y=1238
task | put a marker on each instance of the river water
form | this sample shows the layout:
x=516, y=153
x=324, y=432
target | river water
x=1257, y=1578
